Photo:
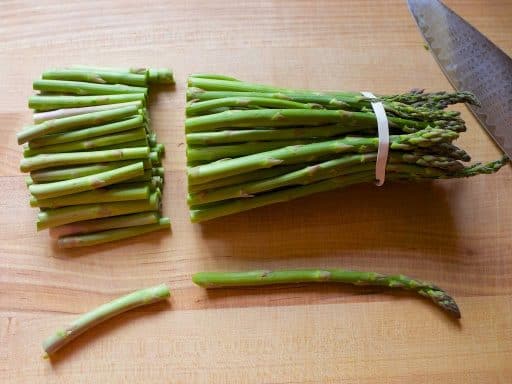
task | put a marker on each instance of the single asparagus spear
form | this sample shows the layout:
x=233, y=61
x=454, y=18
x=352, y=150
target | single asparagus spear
x=86, y=183
x=48, y=103
x=305, y=153
x=40, y=117
x=87, y=133
x=82, y=89
x=94, y=143
x=160, y=76
x=265, y=277
x=104, y=312
x=96, y=238
x=96, y=76
x=130, y=144
x=97, y=225
x=67, y=159
x=103, y=195
x=57, y=174
x=53, y=217
x=213, y=76
x=75, y=122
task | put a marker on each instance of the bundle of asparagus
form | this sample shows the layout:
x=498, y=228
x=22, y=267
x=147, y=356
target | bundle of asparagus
x=94, y=162
x=250, y=145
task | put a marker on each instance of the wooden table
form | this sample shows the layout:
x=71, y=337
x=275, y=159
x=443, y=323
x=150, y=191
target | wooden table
x=456, y=233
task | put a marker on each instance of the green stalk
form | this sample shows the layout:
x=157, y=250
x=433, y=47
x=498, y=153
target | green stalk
x=309, y=152
x=67, y=159
x=104, y=312
x=40, y=117
x=162, y=76
x=213, y=76
x=97, y=225
x=217, y=152
x=267, y=134
x=82, y=89
x=131, y=144
x=75, y=122
x=104, y=195
x=96, y=238
x=57, y=174
x=292, y=117
x=94, y=143
x=53, y=217
x=87, y=133
x=265, y=277
x=48, y=103
x=96, y=76
x=86, y=183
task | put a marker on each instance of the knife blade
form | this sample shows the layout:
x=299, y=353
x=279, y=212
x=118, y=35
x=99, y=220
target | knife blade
x=471, y=62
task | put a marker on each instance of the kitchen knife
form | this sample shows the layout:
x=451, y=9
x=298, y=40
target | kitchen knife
x=471, y=62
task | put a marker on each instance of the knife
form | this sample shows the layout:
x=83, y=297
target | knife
x=472, y=63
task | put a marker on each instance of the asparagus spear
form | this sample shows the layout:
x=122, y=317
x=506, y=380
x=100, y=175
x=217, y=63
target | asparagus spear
x=48, y=103
x=75, y=122
x=53, y=217
x=86, y=183
x=66, y=159
x=265, y=277
x=96, y=76
x=102, y=313
x=103, y=195
x=80, y=88
x=94, y=143
x=87, y=133
x=160, y=76
x=85, y=240
x=97, y=225
x=304, y=153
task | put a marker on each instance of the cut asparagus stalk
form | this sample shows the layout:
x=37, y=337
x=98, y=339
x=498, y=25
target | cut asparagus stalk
x=40, y=117
x=75, y=122
x=67, y=159
x=86, y=183
x=57, y=174
x=82, y=89
x=94, y=143
x=264, y=277
x=103, y=195
x=96, y=76
x=87, y=133
x=160, y=76
x=48, y=103
x=305, y=153
x=104, y=312
x=97, y=225
x=53, y=217
x=110, y=235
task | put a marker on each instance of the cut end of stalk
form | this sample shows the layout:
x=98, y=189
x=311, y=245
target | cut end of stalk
x=160, y=76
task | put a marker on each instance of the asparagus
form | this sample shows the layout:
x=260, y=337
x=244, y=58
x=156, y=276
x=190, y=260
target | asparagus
x=266, y=277
x=95, y=76
x=308, y=152
x=75, y=122
x=66, y=159
x=48, y=103
x=103, y=195
x=87, y=133
x=57, y=174
x=93, y=143
x=97, y=225
x=86, y=183
x=102, y=313
x=96, y=238
x=136, y=70
x=53, y=217
x=80, y=88
x=160, y=76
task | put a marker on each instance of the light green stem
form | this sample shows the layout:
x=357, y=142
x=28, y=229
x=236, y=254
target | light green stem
x=48, y=103
x=95, y=76
x=82, y=89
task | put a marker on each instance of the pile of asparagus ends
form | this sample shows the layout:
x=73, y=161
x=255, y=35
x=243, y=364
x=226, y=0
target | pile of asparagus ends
x=250, y=145
x=94, y=162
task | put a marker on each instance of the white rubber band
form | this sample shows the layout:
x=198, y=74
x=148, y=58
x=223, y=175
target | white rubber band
x=383, y=129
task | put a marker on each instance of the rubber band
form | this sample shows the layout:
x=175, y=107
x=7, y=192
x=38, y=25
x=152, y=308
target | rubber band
x=383, y=148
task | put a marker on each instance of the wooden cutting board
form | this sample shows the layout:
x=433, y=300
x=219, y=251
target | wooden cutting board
x=456, y=233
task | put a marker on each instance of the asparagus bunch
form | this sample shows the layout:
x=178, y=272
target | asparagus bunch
x=264, y=277
x=250, y=145
x=94, y=162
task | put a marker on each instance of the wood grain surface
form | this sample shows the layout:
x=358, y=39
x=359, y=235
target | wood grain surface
x=456, y=233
